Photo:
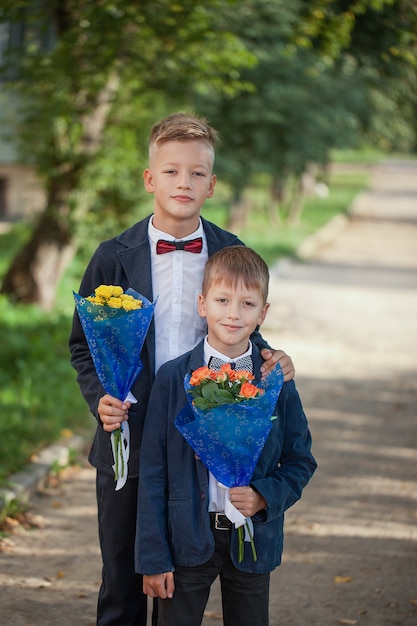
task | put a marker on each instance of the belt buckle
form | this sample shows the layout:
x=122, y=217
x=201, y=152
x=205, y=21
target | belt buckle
x=220, y=523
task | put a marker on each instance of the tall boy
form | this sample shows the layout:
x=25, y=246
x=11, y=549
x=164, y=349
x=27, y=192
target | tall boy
x=180, y=176
x=184, y=539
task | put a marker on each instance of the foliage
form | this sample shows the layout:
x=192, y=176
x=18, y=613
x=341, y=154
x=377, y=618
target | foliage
x=283, y=82
x=380, y=30
x=381, y=38
x=38, y=393
x=299, y=107
x=305, y=102
x=90, y=77
x=125, y=51
x=309, y=98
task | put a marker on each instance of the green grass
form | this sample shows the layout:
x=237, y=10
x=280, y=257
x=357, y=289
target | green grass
x=367, y=155
x=39, y=396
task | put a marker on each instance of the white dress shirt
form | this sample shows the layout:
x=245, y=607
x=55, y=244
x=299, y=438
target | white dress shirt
x=217, y=491
x=176, y=278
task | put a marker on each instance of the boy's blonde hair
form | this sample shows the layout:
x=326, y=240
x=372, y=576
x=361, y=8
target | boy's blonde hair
x=182, y=127
x=234, y=264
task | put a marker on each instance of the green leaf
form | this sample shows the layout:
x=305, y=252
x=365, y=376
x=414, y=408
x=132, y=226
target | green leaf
x=201, y=403
x=209, y=390
x=214, y=395
x=223, y=397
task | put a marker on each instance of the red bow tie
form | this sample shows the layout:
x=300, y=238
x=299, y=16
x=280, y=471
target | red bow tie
x=192, y=245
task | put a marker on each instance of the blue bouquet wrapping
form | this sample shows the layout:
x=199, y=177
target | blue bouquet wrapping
x=229, y=438
x=115, y=338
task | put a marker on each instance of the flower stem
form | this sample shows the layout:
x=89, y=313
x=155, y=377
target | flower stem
x=240, y=535
x=252, y=543
x=118, y=447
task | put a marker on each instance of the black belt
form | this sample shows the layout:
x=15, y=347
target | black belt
x=219, y=521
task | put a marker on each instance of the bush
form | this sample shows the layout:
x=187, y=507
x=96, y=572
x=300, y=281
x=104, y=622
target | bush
x=39, y=396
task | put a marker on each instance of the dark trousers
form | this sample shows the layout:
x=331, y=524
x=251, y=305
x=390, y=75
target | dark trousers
x=245, y=597
x=121, y=601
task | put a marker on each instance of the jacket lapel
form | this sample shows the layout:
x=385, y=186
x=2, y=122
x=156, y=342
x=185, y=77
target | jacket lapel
x=135, y=258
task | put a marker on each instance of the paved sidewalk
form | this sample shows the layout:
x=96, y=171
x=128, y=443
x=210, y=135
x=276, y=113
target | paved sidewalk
x=348, y=317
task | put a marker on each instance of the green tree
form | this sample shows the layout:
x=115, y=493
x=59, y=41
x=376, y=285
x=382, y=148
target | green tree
x=81, y=70
x=320, y=83
x=299, y=108
x=381, y=37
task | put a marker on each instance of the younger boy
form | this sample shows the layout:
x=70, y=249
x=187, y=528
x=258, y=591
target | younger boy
x=182, y=542
x=180, y=177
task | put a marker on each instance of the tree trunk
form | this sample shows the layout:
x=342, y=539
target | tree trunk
x=238, y=215
x=296, y=205
x=34, y=273
x=304, y=187
x=276, y=198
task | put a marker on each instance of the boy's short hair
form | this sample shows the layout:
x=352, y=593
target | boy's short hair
x=234, y=264
x=182, y=127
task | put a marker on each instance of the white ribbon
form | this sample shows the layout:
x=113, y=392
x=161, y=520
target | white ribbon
x=236, y=517
x=123, y=452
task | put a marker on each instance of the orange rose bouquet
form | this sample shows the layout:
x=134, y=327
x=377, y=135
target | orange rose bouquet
x=115, y=324
x=227, y=421
x=210, y=388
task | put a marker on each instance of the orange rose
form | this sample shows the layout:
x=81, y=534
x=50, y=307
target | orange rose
x=248, y=390
x=200, y=375
x=243, y=376
x=225, y=373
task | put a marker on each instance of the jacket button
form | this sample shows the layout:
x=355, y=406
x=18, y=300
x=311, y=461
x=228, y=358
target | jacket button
x=203, y=495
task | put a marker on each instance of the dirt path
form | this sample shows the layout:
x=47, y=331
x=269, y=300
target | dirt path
x=348, y=318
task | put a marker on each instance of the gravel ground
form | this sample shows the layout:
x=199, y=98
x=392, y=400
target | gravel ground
x=347, y=315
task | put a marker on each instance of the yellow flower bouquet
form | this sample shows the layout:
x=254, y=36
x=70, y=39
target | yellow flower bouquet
x=115, y=324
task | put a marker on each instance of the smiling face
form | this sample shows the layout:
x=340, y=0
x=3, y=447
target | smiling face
x=180, y=177
x=233, y=312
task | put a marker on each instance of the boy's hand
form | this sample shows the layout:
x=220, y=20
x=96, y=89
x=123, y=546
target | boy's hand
x=159, y=585
x=112, y=412
x=272, y=357
x=247, y=500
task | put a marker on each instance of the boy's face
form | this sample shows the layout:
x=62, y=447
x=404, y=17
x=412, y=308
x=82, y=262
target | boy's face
x=232, y=315
x=180, y=177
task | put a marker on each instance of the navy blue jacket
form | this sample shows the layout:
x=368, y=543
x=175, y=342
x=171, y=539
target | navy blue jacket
x=126, y=261
x=173, y=522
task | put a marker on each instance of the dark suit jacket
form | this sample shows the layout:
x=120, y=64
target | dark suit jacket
x=126, y=261
x=173, y=525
